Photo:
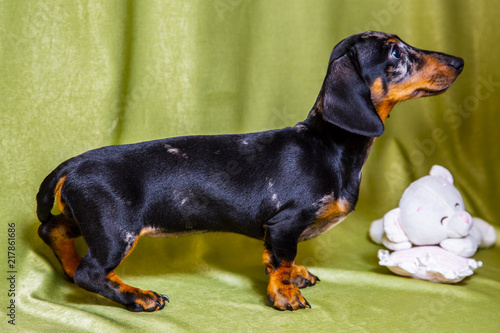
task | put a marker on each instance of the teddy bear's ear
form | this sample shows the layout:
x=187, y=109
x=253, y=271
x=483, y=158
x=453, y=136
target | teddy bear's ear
x=442, y=172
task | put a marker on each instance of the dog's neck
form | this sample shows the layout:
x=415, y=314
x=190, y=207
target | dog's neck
x=348, y=149
x=332, y=134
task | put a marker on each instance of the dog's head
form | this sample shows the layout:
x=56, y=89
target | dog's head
x=369, y=73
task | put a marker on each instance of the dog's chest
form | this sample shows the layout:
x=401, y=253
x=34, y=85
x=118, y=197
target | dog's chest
x=330, y=212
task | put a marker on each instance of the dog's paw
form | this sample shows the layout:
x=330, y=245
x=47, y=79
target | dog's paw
x=284, y=296
x=282, y=293
x=147, y=301
x=302, y=278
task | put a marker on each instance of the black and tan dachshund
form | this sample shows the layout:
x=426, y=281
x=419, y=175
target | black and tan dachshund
x=280, y=186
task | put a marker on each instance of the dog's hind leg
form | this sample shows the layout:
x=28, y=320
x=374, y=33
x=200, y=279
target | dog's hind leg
x=59, y=233
x=95, y=272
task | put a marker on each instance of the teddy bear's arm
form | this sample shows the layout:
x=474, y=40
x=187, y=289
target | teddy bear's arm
x=394, y=237
x=392, y=226
x=395, y=246
x=465, y=247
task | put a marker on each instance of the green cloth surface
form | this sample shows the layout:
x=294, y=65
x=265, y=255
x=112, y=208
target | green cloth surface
x=76, y=75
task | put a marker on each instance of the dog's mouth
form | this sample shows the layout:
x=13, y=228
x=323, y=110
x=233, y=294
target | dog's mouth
x=428, y=92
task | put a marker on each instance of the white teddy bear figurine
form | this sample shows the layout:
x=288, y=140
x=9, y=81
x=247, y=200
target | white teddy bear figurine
x=431, y=212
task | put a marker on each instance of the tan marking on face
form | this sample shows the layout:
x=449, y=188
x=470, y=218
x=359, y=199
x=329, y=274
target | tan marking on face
x=432, y=78
x=377, y=89
x=423, y=79
x=378, y=95
x=392, y=41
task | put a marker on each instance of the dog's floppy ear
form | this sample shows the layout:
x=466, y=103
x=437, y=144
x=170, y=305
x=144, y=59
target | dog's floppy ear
x=346, y=100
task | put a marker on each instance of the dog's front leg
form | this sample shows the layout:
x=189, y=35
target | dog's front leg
x=285, y=278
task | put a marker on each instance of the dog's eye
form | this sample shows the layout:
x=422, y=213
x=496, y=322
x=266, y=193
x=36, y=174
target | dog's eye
x=396, y=53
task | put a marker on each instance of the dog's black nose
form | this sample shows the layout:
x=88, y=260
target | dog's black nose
x=457, y=63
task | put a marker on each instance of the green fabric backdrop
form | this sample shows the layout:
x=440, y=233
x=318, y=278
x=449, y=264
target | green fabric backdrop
x=76, y=75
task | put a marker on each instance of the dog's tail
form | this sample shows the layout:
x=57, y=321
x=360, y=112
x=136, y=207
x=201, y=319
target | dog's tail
x=50, y=192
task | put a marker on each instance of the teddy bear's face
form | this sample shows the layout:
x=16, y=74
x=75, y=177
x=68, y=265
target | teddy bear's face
x=432, y=210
